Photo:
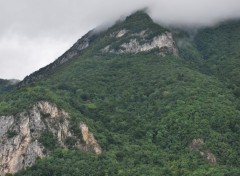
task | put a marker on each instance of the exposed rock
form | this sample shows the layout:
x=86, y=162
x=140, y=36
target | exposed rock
x=164, y=42
x=197, y=145
x=107, y=49
x=20, y=134
x=121, y=33
x=90, y=143
x=141, y=34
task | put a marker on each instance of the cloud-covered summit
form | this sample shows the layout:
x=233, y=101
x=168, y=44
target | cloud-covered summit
x=33, y=32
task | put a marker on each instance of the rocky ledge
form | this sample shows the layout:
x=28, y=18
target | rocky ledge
x=139, y=42
x=20, y=136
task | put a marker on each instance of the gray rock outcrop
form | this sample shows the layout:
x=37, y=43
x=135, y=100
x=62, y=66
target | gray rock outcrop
x=138, y=43
x=197, y=145
x=20, y=134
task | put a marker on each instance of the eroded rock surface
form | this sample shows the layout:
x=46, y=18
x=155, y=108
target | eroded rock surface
x=121, y=33
x=89, y=142
x=197, y=145
x=20, y=134
x=140, y=43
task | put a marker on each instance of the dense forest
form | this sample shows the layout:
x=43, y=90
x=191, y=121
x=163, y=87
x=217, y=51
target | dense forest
x=145, y=109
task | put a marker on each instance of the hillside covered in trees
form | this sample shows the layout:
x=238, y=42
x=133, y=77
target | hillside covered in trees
x=159, y=102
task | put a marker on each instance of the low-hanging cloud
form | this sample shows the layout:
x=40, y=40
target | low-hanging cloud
x=195, y=13
x=34, y=32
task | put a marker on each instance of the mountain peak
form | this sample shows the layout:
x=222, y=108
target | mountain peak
x=139, y=16
x=137, y=33
x=118, y=87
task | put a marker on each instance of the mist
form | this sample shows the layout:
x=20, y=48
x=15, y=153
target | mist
x=34, y=33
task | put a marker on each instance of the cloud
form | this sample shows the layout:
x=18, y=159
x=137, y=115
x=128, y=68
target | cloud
x=20, y=56
x=196, y=13
x=34, y=32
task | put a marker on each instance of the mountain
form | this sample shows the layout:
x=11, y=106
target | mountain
x=136, y=99
x=75, y=50
x=7, y=85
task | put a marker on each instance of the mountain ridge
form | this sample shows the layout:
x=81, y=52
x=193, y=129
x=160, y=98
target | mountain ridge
x=7, y=85
x=84, y=42
x=152, y=112
x=75, y=50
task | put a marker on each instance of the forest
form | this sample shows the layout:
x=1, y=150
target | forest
x=145, y=109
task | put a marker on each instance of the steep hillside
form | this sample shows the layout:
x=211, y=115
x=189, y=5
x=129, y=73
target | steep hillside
x=145, y=94
x=34, y=133
x=215, y=51
x=75, y=50
x=219, y=47
x=7, y=85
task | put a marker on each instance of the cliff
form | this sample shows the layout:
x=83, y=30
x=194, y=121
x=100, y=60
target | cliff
x=22, y=140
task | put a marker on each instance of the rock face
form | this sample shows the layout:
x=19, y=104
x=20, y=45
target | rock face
x=121, y=33
x=89, y=142
x=20, y=134
x=197, y=145
x=139, y=43
x=125, y=39
x=75, y=50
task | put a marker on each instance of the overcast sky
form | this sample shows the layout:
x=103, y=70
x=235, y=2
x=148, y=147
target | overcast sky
x=34, y=33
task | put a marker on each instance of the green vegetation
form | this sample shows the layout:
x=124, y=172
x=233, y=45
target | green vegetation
x=143, y=109
x=6, y=85
x=48, y=140
x=11, y=134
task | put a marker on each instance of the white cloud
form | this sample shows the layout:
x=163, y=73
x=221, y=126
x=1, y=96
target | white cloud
x=195, y=12
x=19, y=56
x=34, y=32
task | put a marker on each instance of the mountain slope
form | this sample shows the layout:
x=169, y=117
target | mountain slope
x=216, y=52
x=75, y=50
x=152, y=109
x=7, y=85
x=34, y=133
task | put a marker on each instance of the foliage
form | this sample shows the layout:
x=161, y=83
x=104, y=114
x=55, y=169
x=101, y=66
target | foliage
x=6, y=85
x=144, y=109
x=11, y=134
x=48, y=140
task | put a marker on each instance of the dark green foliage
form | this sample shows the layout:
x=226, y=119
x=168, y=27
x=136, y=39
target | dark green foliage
x=48, y=140
x=237, y=92
x=11, y=134
x=43, y=115
x=70, y=141
x=6, y=85
x=145, y=109
x=9, y=174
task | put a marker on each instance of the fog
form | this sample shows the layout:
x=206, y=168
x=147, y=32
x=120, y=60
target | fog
x=34, y=33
